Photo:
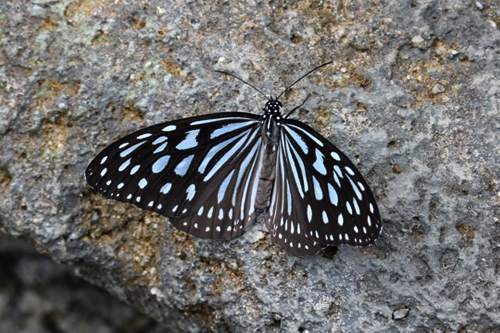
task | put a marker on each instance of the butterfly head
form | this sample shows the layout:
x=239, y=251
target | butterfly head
x=273, y=107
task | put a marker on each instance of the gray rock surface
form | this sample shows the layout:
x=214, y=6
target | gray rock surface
x=39, y=296
x=412, y=98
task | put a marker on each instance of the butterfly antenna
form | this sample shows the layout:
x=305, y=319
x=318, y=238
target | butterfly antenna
x=303, y=76
x=244, y=83
x=295, y=108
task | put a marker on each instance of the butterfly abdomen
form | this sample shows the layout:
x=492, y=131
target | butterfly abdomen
x=270, y=134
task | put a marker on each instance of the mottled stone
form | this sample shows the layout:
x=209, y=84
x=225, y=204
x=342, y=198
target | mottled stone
x=77, y=75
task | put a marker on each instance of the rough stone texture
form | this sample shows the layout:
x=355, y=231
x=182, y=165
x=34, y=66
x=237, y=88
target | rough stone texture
x=412, y=98
x=37, y=295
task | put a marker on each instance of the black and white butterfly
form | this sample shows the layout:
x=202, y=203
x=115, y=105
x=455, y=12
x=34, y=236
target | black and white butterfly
x=211, y=175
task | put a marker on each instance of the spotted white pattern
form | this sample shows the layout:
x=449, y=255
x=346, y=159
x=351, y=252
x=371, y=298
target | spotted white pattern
x=325, y=218
x=319, y=165
x=169, y=128
x=144, y=136
x=335, y=156
x=212, y=175
x=340, y=220
x=166, y=188
x=183, y=166
x=143, y=182
x=160, y=164
x=134, y=169
x=191, y=191
x=190, y=140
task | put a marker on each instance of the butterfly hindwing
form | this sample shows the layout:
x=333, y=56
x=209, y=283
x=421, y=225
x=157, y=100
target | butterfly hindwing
x=283, y=218
x=174, y=167
x=230, y=210
x=330, y=198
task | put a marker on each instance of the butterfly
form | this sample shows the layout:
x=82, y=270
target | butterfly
x=212, y=175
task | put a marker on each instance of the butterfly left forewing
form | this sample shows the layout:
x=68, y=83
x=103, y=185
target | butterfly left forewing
x=174, y=167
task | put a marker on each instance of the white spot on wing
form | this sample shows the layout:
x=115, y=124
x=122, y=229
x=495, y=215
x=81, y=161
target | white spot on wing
x=160, y=148
x=319, y=164
x=334, y=199
x=124, y=165
x=143, y=183
x=223, y=187
x=338, y=171
x=169, y=128
x=361, y=186
x=183, y=167
x=229, y=128
x=325, y=218
x=341, y=220
x=135, y=169
x=103, y=172
x=349, y=170
x=355, y=188
x=159, y=140
x=213, y=120
x=335, y=156
x=348, y=206
x=104, y=159
x=166, y=188
x=160, y=164
x=336, y=178
x=131, y=149
x=189, y=141
x=318, y=192
x=143, y=136
x=356, y=206
x=191, y=191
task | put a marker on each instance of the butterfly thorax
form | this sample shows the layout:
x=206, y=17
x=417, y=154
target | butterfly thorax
x=267, y=160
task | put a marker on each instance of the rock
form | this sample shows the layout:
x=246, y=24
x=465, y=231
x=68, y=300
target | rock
x=82, y=75
x=437, y=89
x=419, y=42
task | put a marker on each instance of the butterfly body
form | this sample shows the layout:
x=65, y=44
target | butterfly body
x=212, y=175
